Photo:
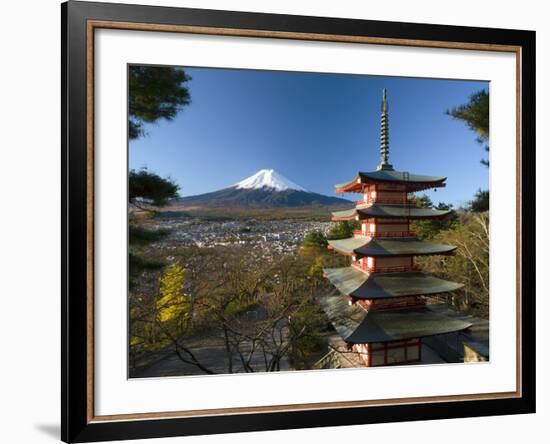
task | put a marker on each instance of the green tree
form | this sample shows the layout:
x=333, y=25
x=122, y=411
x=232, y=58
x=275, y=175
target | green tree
x=154, y=92
x=428, y=229
x=475, y=114
x=316, y=270
x=480, y=202
x=315, y=239
x=151, y=188
x=424, y=201
x=343, y=229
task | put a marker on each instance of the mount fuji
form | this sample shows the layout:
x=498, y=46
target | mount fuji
x=264, y=189
x=268, y=179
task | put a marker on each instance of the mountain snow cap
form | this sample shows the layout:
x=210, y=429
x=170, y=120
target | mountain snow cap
x=268, y=179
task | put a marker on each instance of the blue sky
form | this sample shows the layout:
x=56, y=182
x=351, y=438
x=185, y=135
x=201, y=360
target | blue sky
x=316, y=129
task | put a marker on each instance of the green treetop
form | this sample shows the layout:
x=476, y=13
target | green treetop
x=475, y=114
x=154, y=92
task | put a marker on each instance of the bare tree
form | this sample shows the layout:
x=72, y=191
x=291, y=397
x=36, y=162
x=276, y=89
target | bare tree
x=470, y=264
x=258, y=310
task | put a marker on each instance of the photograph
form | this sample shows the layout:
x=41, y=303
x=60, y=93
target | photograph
x=280, y=221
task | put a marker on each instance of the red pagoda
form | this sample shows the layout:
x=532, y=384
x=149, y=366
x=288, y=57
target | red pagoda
x=382, y=309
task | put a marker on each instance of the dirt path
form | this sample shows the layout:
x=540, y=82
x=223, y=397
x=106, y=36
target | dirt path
x=210, y=352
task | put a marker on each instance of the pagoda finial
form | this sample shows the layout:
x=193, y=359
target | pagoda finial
x=384, y=135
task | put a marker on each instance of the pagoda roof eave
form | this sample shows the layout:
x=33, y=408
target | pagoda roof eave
x=390, y=212
x=366, y=246
x=349, y=245
x=357, y=326
x=350, y=214
x=399, y=177
x=415, y=182
x=361, y=285
x=353, y=186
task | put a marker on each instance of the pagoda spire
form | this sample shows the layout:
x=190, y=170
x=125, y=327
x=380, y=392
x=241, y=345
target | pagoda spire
x=384, y=135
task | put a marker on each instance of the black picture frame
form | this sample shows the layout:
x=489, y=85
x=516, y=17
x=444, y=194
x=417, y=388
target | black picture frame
x=76, y=423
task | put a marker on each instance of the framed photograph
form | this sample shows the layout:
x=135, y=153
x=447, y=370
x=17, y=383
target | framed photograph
x=276, y=221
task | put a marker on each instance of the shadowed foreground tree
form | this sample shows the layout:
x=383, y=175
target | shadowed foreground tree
x=475, y=114
x=155, y=92
x=145, y=191
x=148, y=187
x=480, y=202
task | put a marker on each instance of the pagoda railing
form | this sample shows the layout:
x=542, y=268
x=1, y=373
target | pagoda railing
x=401, y=302
x=396, y=269
x=399, y=269
x=386, y=200
x=383, y=234
x=396, y=234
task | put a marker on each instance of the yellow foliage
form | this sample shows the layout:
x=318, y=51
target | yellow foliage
x=316, y=269
x=171, y=302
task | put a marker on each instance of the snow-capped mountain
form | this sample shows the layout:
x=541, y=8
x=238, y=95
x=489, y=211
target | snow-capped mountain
x=264, y=189
x=269, y=179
